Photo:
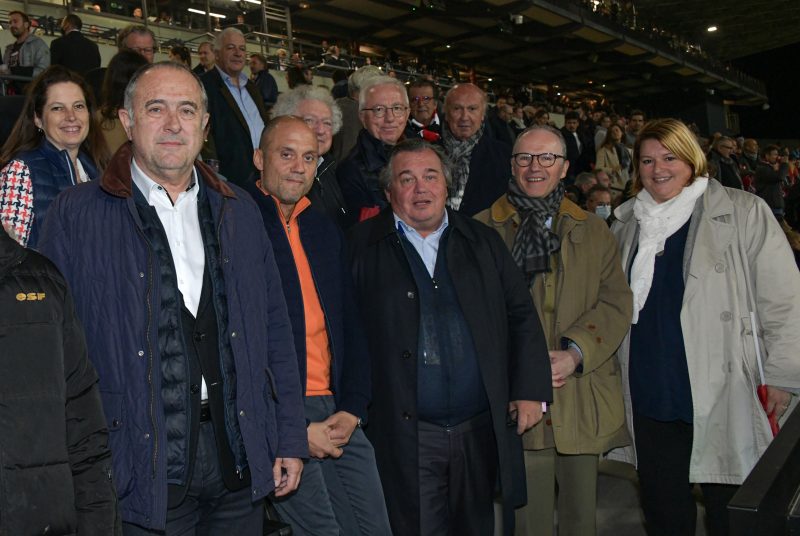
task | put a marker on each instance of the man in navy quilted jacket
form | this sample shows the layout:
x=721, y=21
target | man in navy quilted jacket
x=176, y=284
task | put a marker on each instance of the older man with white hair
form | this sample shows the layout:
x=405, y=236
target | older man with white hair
x=383, y=111
x=236, y=108
x=316, y=107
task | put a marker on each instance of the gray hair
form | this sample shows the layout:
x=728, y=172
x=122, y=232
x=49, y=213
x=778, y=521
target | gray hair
x=223, y=34
x=415, y=145
x=122, y=36
x=359, y=77
x=375, y=81
x=547, y=128
x=289, y=101
x=130, y=90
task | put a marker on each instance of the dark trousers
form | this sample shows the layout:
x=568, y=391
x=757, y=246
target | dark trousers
x=209, y=509
x=457, y=477
x=663, y=451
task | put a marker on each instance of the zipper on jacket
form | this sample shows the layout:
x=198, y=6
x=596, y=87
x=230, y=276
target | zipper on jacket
x=327, y=325
x=69, y=167
x=151, y=359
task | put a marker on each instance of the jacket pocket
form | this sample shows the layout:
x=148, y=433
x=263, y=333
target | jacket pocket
x=118, y=442
x=273, y=391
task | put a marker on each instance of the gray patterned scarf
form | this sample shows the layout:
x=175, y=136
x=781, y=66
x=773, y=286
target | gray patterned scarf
x=535, y=242
x=460, y=152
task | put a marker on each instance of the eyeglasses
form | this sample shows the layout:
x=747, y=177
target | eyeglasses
x=425, y=98
x=143, y=50
x=526, y=159
x=313, y=122
x=380, y=111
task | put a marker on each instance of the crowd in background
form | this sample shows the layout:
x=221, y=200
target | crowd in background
x=152, y=198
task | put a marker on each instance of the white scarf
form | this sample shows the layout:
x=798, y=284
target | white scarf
x=657, y=222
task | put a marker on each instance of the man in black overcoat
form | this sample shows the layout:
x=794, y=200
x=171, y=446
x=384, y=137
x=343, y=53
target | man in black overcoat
x=459, y=361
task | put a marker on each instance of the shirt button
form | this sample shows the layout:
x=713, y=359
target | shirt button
x=719, y=267
x=194, y=389
x=406, y=416
x=241, y=413
x=140, y=353
x=199, y=337
x=147, y=435
x=406, y=355
x=141, y=274
x=726, y=316
x=410, y=295
x=233, y=334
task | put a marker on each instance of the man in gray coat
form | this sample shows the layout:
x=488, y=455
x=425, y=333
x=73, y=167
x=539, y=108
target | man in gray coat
x=27, y=50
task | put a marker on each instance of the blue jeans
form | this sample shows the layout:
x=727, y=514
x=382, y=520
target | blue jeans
x=209, y=509
x=337, y=495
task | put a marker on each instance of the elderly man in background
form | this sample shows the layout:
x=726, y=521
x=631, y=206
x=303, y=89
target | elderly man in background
x=459, y=366
x=383, y=111
x=236, y=107
x=316, y=107
x=480, y=162
x=345, y=139
x=559, y=246
x=177, y=287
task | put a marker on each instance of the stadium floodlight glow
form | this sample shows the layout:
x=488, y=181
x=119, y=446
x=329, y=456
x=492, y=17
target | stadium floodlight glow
x=712, y=28
x=199, y=12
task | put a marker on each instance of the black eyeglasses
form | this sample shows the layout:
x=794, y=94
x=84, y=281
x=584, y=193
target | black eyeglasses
x=526, y=159
x=425, y=98
x=379, y=111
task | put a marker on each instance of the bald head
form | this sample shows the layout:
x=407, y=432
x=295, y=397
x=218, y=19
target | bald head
x=464, y=109
x=287, y=159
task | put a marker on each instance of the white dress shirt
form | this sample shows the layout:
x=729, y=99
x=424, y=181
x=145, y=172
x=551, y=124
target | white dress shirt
x=427, y=247
x=182, y=227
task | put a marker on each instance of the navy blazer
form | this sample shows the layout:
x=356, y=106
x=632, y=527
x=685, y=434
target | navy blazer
x=325, y=249
x=229, y=138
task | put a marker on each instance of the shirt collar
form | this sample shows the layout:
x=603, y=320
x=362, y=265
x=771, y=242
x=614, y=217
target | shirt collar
x=150, y=188
x=229, y=80
x=405, y=228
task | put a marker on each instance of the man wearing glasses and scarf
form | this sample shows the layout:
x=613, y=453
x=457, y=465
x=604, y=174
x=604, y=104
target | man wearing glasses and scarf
x=572, y=267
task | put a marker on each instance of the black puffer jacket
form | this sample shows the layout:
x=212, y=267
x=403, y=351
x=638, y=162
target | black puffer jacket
x=55, y=466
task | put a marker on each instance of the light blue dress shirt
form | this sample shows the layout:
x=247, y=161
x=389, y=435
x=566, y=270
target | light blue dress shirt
x=427, y=247
x=246, y=105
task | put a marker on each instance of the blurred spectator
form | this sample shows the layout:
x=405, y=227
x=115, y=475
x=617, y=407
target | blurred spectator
x=298, y=75
x=206, y=53
x=180, y=54
x=635, y=124
x=73, y=50
x=27, y=55
x=770, y=178
x=119, y=72
x=614, y=158
x=263, y=80
x=721, y=157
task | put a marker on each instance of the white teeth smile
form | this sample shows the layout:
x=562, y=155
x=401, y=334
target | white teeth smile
x=661, y=179
x=535, y=179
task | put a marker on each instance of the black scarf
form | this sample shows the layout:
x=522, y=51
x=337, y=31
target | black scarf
x=535, y=242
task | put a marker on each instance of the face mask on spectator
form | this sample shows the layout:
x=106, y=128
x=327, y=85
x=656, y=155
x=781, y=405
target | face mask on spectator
x=604, y=211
